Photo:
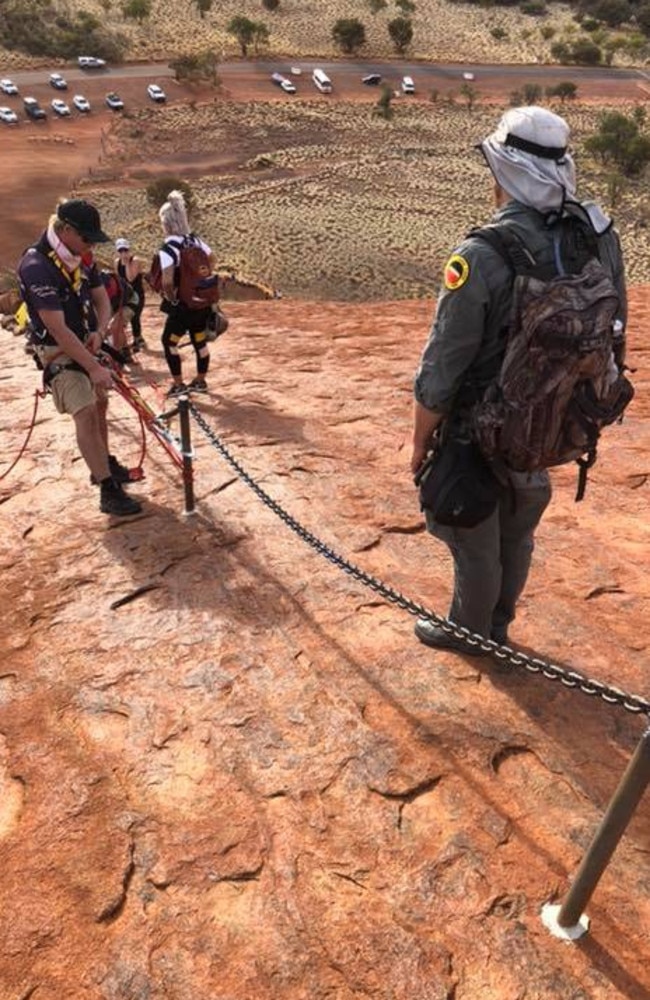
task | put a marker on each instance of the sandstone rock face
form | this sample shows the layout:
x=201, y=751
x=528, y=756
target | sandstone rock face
x=228, y=770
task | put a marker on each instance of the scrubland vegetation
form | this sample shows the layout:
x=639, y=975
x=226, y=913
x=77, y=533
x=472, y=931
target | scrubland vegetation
x=332, y=201
x=592, y=31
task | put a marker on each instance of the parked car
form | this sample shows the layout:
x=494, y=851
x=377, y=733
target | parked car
x=8, y=116
x=468, y=76
x=33, y=109
x=57, y=81
x=372, y=79
x=8, y=86
x=296, y=71
x=408, y=87
x=81, y=103
x=156, y=93
x=114, y=102
x=91, y=62
x=60, y=108
x=281, y=81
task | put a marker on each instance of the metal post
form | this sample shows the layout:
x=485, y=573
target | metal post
x=569, y=920
x=186, y=445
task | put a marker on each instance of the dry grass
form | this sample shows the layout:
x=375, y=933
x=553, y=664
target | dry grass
x=352, y=207
x=443, y=31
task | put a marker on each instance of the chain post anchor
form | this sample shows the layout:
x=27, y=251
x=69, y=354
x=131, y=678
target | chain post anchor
x=186, y=446
x=568, y=921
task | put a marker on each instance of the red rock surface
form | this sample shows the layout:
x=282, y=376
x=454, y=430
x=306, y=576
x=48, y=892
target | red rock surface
x=250, y=781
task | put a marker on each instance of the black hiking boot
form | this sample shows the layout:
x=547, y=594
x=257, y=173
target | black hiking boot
x=119, y=473
x=113, y=500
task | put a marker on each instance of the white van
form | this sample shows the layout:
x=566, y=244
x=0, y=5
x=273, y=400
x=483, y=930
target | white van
x=408, y=87
x=322, y=81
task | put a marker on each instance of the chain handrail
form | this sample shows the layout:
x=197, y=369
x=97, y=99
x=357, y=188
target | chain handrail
x=552, y=671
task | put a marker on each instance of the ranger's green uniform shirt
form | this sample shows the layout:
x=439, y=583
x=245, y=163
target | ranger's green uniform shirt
x=467, y=341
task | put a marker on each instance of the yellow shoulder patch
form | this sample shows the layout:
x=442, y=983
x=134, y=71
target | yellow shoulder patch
x=456, y=272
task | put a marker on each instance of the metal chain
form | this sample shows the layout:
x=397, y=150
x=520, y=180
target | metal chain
x=552, y=671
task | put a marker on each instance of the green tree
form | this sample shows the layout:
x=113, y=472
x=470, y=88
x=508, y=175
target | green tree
x=561, y=52
x=203, y=6
x=261, y=36
x=197, y=66
x=349, y=34
x=400, y=30
x=137, y=10
x=244, y=31
x=566, y=91
x=642, y=15
x=270, y=5
x=620, y=141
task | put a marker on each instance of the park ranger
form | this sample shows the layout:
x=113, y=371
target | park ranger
x=534, y=186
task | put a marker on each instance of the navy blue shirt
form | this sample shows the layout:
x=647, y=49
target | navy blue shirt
x=47, y=285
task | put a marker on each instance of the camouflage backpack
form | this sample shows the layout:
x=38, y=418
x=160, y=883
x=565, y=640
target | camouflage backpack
x=560, y=380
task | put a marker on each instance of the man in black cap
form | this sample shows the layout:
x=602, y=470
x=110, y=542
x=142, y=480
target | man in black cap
x=66, y=298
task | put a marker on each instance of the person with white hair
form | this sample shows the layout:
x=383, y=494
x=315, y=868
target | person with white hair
x=182, y=319
x=535, y=192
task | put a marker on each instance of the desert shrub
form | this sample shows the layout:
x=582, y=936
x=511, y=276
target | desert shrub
x=270, y=5
x=534, y=8
x=590, y=24
x=561, y=52
x=137, y=10
x=349, y=34
x=619, y=140
x=586, y=52
x=434, y=94
x=400, y=30
x=642, y=16
x=469, y=94
x=611, y=12
x=516, y=99
x=203, y=6
x=158, y=190
x=196, y=66
x=407, y=7
x=384, y=104
x=566, y=91
x=547, y=31
x=261, y=36
x=40, y=30
x=377, y=5
x=531, y=93
x=499, y=33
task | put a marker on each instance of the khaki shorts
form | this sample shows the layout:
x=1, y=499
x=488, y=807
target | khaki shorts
x=71, y=389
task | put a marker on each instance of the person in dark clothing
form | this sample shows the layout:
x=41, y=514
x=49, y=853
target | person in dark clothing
x=69, y=312
x=181, y=320
x=131, y=269
x=535, y=184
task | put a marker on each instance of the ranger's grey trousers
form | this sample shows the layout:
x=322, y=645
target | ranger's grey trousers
x=492, y=560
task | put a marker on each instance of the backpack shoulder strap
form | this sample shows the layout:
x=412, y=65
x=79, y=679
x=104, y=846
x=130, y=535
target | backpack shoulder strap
x=508, y=245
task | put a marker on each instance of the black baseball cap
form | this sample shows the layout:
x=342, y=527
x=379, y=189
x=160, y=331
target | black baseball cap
x=83, y=217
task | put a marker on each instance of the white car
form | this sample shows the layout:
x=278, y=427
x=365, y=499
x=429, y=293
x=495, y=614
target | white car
x=468, y=76
x=8, y=116
x=296, y=71
x=288, y=87
x=81, y=103
x=57, y=81
x=8, y=86
x=60, y=108
x=114, y=102
x=91, y=62
x=156, y=93
x=408, y=87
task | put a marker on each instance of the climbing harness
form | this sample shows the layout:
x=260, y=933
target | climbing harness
x=552, y=671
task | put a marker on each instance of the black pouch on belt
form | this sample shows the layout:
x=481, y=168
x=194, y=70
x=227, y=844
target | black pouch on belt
x=457, y=486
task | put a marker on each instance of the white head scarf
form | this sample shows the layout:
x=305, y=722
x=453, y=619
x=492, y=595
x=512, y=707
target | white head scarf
x=527, y=153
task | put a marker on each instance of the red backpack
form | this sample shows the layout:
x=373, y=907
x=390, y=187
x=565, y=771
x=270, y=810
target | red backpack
x=196, y=285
